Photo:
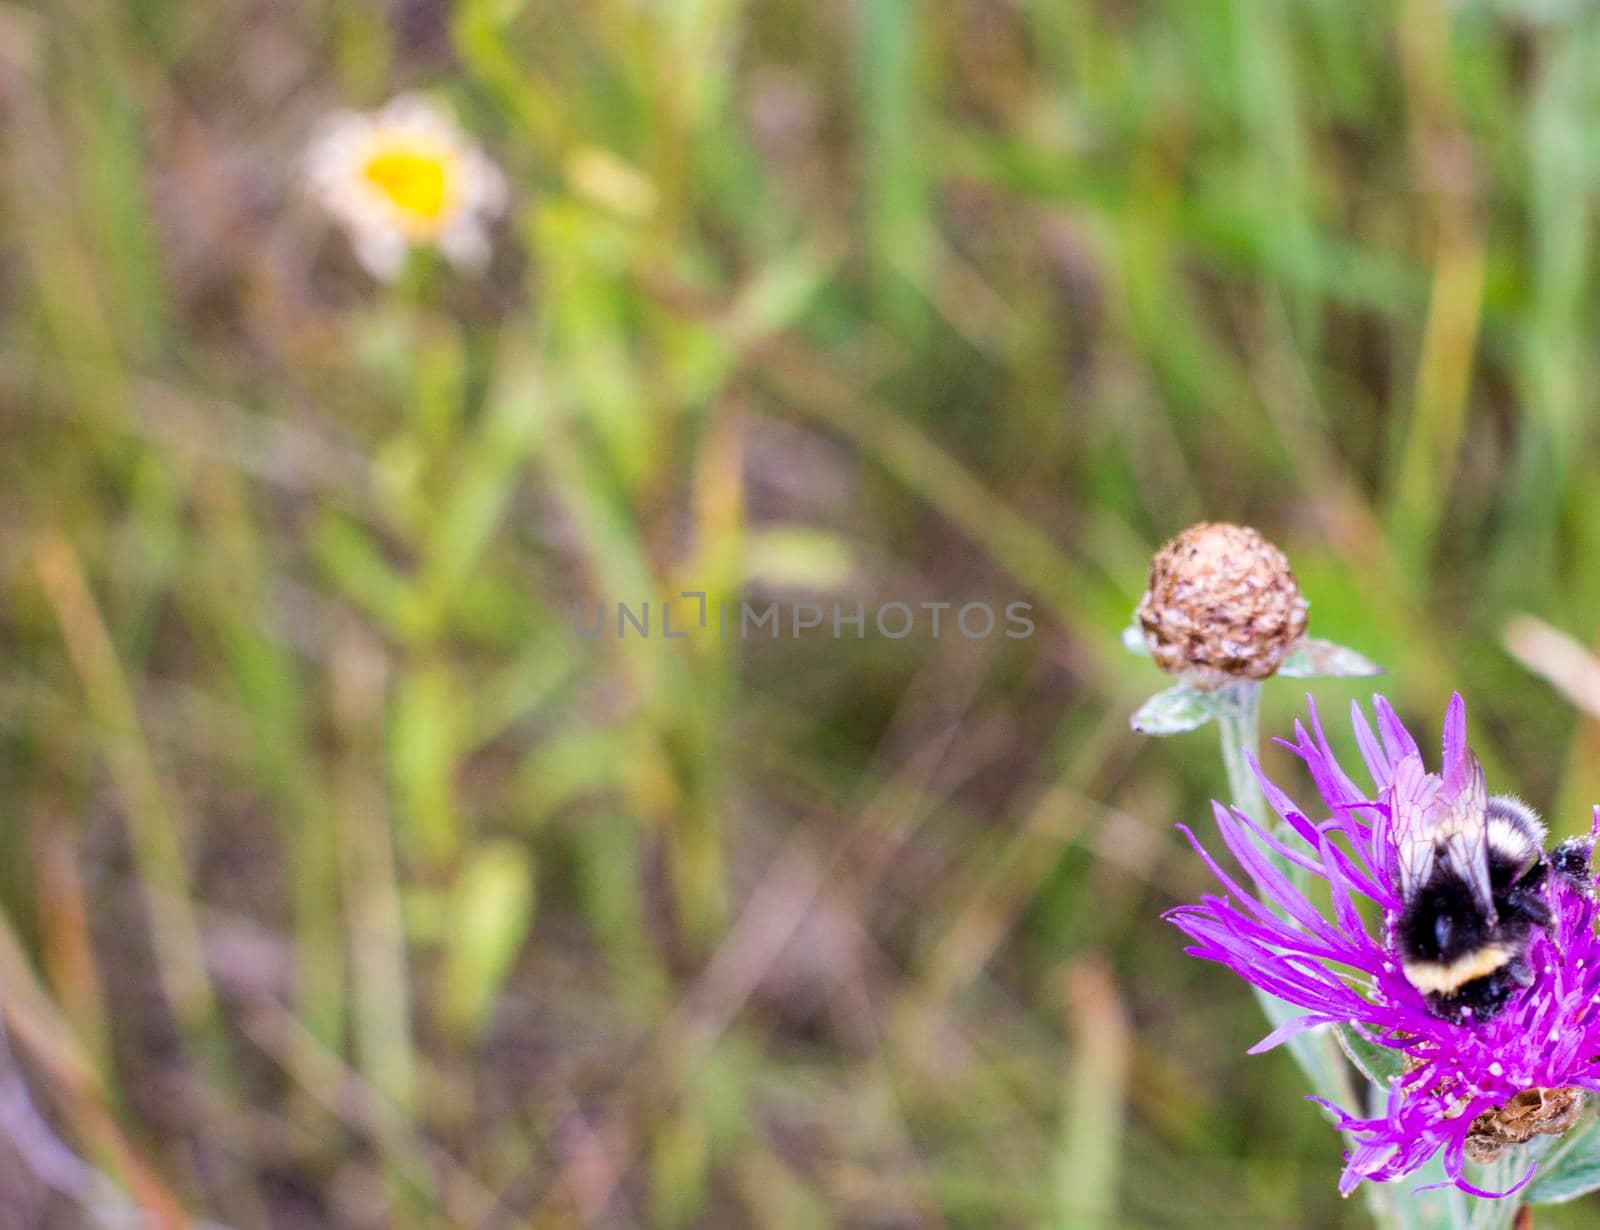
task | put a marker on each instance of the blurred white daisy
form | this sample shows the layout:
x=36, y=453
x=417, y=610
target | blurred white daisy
x=402, y=177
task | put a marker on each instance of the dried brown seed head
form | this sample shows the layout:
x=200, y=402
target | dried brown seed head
x=1533, y=1112
x=1222, y=605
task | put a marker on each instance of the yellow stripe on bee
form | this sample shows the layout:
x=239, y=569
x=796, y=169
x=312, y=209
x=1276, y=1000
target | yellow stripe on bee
x=1441, y=978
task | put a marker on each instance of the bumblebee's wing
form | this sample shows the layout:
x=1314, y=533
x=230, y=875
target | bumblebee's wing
x=1411, y=799
x=1453, y=831
x=1464, y=832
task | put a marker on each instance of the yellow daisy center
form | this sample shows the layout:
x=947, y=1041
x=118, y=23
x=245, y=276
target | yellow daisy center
x=417, y=182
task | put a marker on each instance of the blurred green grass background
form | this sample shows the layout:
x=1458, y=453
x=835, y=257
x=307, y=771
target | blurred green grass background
x=345, y=885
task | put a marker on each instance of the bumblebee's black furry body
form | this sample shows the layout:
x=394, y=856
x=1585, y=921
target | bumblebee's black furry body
x=1464, y=930
x=1571, y=861
x=1474, y=963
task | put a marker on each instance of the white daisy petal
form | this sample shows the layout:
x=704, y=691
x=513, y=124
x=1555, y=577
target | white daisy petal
x=465, y=244
x=404, y=176
x=487, y=185
x=418, y=115
x=380, y=249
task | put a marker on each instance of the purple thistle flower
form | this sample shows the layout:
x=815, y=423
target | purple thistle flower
x=1547, y=1035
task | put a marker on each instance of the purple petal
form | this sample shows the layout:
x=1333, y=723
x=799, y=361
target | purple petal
x=1227, y=881
x=1289, y=1029
x=1455, y=734
x=1347, y=787
x=1378, y=764
x=1327, y=963
x=1273, y=884
x=1397, y=740
x=1344, y=908
x=1294, y=856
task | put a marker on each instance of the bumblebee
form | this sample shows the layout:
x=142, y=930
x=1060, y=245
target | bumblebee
x=1473, y=881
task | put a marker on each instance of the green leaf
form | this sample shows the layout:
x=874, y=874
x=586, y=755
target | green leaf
x=1319, y=659
x=1571, y=1170
x=1378, y=1063
x=491, y=911
x=349, y=555
x=797, y=556
x=1175, y=711
x=423, y=742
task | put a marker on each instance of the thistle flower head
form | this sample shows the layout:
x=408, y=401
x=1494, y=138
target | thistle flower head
x=1221, y=605
x=402, y=177
x=1469, y=1088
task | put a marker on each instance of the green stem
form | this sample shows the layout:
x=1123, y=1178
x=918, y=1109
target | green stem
x=1316, y=1051
x=1498, y=1175
x=1240, y=724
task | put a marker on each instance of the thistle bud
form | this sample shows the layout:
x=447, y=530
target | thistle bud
x=1222, y=606
x=1533, y=1112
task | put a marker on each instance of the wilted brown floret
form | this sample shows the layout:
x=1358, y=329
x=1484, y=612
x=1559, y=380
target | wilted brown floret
x=1222, y=605
x=1533, y=1112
